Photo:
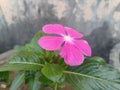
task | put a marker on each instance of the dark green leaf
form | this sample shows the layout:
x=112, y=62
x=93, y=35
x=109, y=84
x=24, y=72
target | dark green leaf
x=34, y=83
x=19, y=79
x=4, y=76
x=32, y=79
x=94, y=74
x=53, y=72
x=29, y=74
x=45, y=80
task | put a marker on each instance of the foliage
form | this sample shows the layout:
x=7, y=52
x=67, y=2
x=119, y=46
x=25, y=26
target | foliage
x=19, y=79
x=4, y=76
x=94, y=74
x=37, y=69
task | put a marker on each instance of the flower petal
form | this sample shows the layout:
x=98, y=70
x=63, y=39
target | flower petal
x=72, y=56
x=54, y=29
x=50, y=42
x=73, y=33
x=83, y=46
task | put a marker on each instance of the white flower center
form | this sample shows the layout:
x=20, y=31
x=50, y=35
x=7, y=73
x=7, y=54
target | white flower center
x=68, y=38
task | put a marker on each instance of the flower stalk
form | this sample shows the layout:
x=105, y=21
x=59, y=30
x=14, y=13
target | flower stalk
x=56, y=59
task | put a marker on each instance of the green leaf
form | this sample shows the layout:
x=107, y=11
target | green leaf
x=4, y=76
x=32, y=79
x=32, y=53
x=26, y=54
x=17, y=66
x=45, y=80
x=93, y=74
x=53, y=72
x=24, y=58
x=34, y=41
x=19, y=79
x=34, y=83
x=36, y=37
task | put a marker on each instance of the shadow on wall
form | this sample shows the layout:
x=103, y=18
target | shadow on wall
x=102, y=41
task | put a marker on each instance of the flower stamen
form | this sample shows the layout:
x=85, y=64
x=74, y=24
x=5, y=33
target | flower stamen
x=68, y=38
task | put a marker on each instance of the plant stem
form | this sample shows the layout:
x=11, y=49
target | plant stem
x=55, y=61
x=56, y=86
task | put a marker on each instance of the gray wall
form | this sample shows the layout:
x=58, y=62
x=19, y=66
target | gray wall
x=98, y=20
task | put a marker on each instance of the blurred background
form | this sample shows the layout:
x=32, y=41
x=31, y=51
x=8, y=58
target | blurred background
x=98, y=20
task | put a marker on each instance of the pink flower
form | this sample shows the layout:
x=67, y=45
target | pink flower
x=65, y=39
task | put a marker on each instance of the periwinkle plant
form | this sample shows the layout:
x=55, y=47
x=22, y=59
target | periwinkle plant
x=56, y=57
